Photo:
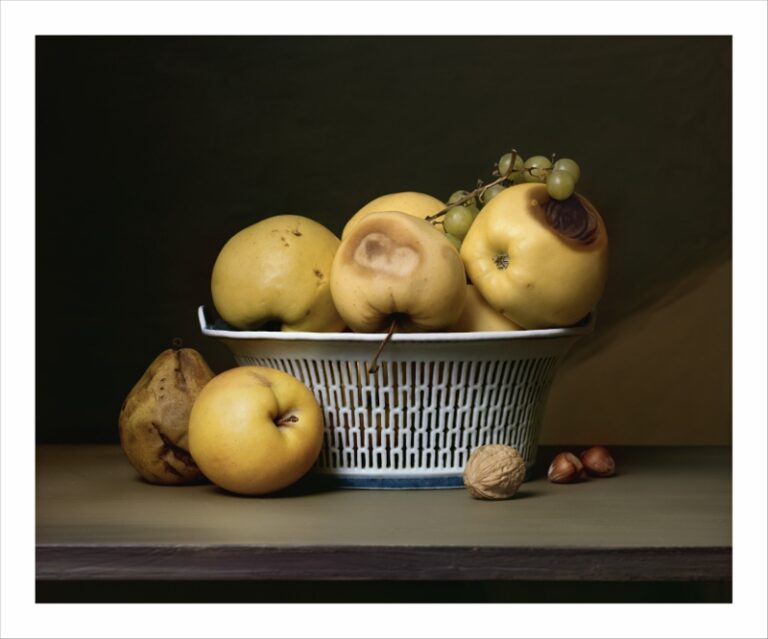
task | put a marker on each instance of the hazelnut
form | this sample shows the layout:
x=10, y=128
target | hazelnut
x=565, y=468
x=598, y=461
x=494, y=471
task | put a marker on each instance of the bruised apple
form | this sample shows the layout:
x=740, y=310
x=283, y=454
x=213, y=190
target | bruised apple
x=255, y=430
x=396, y=267
x=278, y=271
x=540, y=262
x=410, y=202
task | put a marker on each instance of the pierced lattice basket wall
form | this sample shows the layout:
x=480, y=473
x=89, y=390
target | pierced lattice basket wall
x=434, y=398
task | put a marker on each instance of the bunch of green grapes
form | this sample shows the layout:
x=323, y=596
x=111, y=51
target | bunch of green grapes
x=560, y=177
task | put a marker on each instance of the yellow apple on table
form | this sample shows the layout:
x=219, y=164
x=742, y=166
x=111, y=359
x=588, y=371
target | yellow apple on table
x=277, y=270
x=478, y=315
x=410, y=202
x=540, y=262
x=254, y=430
x=393, y=267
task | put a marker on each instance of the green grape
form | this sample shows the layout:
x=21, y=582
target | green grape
x=457, y=221
x=505, y=163
x=539, y=168
x=491, y=193
x=518, y=175
x=560, y=184
x=472, y=208
x=454, y=240
x=566, y=164
x=458, y=195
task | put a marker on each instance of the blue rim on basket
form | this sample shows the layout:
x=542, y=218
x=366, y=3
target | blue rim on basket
x=347, y=481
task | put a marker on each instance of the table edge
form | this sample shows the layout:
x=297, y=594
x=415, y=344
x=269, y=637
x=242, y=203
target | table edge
x=352, y=562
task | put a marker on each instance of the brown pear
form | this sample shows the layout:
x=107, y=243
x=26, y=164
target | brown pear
x=154, y=418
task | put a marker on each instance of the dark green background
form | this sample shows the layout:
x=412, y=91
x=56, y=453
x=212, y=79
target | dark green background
x=152, y=152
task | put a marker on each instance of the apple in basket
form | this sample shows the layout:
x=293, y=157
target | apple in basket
x=396, y=269
x=277, y=270
x=410, y=202
x=254, y=430
x=540, y=261
x=479, y=316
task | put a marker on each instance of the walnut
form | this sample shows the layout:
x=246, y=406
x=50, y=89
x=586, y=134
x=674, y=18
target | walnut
x=494, y=471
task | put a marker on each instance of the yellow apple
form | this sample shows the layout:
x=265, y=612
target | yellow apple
x=410, y=202
x=540, y=262
x=396, y=267
x=255, y=430
x=479, y=316
x=277, y=270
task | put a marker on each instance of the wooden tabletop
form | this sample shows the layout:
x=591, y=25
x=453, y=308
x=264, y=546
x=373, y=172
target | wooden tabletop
x=665, y=516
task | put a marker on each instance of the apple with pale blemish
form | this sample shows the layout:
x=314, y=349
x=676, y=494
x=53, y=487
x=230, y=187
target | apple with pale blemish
x=397, y=269
x=255, y=430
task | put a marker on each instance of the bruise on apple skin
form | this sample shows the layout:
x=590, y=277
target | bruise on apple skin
x=295, y=232
x=395, y=233
x=383, y=247
x=378, y=253
x=572, y=219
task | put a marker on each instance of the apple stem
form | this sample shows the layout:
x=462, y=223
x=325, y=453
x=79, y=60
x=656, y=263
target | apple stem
x=177, y=343
x=479, y=191
x=374, y=365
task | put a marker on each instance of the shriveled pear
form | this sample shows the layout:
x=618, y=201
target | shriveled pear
x=154, y=418
x=393, y=267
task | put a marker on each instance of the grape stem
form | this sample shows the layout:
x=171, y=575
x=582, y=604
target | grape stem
x=480, y=190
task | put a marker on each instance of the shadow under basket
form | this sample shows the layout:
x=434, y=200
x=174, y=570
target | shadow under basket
x=433, y=399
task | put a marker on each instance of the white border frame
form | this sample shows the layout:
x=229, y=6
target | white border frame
x=21, y=21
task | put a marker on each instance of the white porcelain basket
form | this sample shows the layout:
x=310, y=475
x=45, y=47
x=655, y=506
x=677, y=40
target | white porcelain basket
x=434, y=398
